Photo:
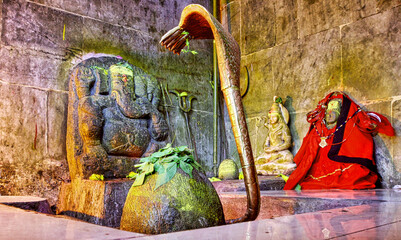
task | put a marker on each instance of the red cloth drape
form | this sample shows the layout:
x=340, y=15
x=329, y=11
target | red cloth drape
x=348, y=160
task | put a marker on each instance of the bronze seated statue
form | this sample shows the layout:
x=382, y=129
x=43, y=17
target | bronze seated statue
x=113, y=117
x=276, y=158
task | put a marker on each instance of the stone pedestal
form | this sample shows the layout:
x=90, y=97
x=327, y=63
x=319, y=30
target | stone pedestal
x=265, y=183
x=98, y=202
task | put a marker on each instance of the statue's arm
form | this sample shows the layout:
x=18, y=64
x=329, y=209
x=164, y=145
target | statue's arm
x=284, y=144
x=267, y=147
x=158, y=127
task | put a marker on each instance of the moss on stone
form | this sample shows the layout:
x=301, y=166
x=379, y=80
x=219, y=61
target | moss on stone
x=228, y=169
x=181, y=204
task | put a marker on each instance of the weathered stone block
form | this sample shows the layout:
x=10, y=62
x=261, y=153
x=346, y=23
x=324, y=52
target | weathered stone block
x=1, y=18
x=396, y=141
x=50, y=3
x=148, y=17
x=266, y=183
x=286, y=23
x=314, y=61
x=307, y=69
x=57, y=120
x=106, y=38
x=387, y=5
x=200, y=124
x=261, y=82
x=316, y=16
x=99, y=202
x=23, y=134
x=25, y=166
x=299, y=127
x=231, y=18
x=257, y=134
x=32, y=68
x=257, y=26
x=27, y=25
x=370, y=55
x=385, y=164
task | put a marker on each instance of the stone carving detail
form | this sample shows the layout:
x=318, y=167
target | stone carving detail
x=113, y=117
x=276, y=158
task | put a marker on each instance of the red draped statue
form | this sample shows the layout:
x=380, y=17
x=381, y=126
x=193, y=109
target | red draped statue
x=338, y=150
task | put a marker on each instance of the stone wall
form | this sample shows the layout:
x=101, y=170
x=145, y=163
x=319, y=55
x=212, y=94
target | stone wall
x=303, y=49
x=41, y=40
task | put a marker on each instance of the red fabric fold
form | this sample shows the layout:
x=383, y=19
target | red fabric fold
x=348, y=160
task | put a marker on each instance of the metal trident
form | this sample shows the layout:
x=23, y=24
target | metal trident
x=185, y=104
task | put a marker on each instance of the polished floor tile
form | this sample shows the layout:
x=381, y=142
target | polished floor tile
x=20, y=224
x=337, y=223
x=380, y=218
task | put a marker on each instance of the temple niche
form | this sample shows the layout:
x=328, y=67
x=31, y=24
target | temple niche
x=113, y=117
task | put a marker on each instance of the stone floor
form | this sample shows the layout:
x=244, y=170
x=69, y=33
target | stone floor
x=363, y=214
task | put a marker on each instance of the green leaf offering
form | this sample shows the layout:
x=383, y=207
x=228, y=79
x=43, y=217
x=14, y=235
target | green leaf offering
x=139, y=179
x=165, y=162
x=96, y=177
x=214, y=179
x=132, y=175
x=187, y=44
x=186, y=167
x=166, y=176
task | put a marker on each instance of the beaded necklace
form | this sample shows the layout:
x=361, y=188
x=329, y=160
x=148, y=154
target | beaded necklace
x=323, y=139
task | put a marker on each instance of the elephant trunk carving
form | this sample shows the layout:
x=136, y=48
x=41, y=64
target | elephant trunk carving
x=197, y=23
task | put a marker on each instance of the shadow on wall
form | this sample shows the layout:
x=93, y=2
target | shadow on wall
x=296, y=141
x=385, y=162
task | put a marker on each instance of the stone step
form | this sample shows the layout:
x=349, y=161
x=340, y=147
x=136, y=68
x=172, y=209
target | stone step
x=265, y=183
x=36, y=204
x=283, y=203
x=378, y=217
x=21, y=224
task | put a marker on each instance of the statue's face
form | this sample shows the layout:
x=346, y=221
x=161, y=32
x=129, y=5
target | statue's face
x=273, y=118
x=121, y=80
x=333, y=111
x=331, y=116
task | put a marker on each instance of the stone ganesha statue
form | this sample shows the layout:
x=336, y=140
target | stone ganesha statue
x=276, y=158
x=113, y=118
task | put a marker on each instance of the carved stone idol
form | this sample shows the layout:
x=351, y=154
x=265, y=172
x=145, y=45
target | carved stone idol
x=113, y=118
x=276, y=158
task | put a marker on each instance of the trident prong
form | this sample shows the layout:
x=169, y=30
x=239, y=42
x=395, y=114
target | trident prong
x=184, y=101
x=185, y=104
